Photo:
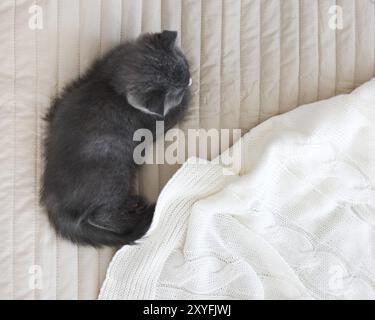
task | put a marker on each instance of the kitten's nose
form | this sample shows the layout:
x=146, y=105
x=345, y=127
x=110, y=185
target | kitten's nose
x=190, y=82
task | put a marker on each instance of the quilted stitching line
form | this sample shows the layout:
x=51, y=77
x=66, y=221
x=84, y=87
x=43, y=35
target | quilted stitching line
x=37, y=153
x=15, y=144
x=200, y=68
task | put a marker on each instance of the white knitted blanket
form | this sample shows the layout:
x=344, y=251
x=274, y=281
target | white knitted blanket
x=297, y=220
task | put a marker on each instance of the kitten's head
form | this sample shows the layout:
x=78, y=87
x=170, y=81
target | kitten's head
x=154, y=74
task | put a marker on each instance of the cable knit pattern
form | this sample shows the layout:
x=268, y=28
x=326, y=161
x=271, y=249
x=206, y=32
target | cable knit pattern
x=296, y=220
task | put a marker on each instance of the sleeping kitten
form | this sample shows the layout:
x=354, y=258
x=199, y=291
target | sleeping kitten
x=89, y=172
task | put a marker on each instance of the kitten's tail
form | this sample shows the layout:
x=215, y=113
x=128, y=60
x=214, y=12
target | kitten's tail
x=103, y=227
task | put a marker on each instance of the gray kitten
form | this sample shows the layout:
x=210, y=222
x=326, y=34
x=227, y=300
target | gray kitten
x=89, y=167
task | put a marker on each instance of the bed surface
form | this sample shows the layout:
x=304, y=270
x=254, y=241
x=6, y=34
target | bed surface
x=250, y=60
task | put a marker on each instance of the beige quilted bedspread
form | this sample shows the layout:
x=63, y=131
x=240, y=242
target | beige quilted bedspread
x=250, y=59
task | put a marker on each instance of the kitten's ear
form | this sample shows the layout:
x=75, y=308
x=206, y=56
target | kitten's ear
x=172, y=99
x=168, y=38
x=154, y=104
x=135, y=102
